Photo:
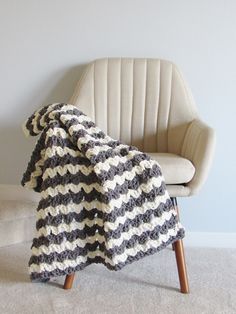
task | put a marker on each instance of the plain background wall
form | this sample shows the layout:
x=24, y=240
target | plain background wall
x=45, y=45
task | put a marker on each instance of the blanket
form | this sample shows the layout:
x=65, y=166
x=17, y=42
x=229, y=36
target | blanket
x=101, y=201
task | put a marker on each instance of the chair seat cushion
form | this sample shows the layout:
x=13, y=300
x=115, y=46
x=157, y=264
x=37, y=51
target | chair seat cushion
x=175, y=169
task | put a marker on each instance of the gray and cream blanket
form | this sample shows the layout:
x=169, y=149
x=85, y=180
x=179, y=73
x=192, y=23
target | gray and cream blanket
x=101, y=201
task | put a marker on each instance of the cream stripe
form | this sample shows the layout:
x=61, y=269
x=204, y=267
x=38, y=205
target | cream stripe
x=52, y=151
x=55, y=132
x=62, y=170
x=34, y=123
x=32, y=183
x=25, y=130
x=62, y=209
x=76, y=188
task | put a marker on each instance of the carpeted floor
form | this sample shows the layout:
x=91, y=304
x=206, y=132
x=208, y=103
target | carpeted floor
x=147, y=286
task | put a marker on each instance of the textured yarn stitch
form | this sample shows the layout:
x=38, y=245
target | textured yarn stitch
x=101, y=201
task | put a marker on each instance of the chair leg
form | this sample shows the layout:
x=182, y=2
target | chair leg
x=181, y=265
x=178, y=247
x=69, y=281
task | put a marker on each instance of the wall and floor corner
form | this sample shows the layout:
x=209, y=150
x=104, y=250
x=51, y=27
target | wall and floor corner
x=45, y=46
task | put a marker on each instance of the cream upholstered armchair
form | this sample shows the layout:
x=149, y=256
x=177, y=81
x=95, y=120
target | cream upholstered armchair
x=146, y=103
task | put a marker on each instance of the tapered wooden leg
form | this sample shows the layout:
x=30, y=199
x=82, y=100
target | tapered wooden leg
x=178, y=247
x=181, y=265
x=69, y=281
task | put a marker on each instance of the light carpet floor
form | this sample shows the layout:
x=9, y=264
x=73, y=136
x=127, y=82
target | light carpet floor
x=147, y=286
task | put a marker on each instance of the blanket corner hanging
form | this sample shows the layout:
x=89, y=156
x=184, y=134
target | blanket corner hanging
x=101, y=201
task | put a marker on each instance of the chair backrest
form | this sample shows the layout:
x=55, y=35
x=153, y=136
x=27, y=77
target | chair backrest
x=142, y=102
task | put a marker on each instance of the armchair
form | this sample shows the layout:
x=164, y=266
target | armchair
x=146, y=103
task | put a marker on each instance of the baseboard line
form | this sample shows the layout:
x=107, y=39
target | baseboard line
x=210, y=239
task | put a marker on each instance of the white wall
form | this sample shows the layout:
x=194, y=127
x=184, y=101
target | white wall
x=45, y=44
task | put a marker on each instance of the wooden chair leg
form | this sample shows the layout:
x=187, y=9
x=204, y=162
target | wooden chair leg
x=69, y=281
x=181, y=265
x=178, y=247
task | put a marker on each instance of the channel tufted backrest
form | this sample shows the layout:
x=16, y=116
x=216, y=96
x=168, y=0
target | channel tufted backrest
x=142, y=102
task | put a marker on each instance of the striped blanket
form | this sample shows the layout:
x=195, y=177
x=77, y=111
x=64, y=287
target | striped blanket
x=101, y=201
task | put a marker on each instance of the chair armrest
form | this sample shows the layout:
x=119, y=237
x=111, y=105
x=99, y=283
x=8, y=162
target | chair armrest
x=198, y=147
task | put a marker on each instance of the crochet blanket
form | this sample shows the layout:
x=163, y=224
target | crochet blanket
x=101, y=201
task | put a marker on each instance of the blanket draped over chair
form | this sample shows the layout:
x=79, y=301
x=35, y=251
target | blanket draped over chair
x=101, y=201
